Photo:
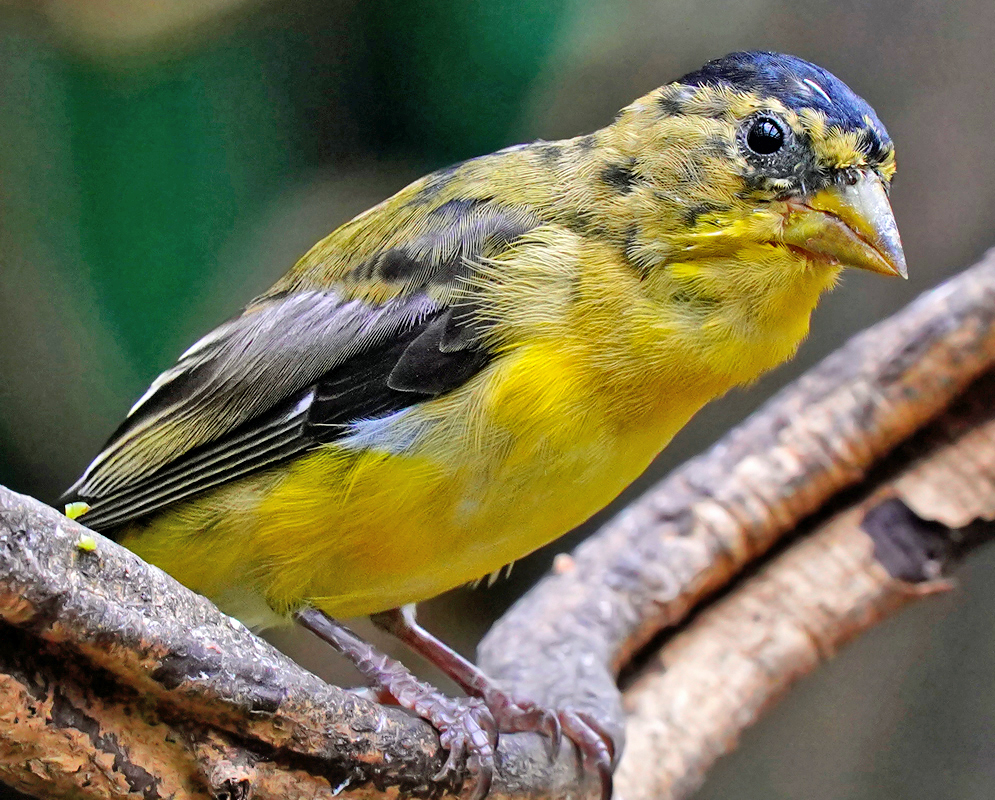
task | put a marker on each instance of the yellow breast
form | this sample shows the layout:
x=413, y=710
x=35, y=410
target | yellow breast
x=522, y=456
x=567, y=415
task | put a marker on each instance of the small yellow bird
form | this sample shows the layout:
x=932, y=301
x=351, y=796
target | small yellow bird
x=478, y=364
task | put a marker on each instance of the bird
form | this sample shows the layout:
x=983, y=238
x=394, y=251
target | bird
x=475, y=366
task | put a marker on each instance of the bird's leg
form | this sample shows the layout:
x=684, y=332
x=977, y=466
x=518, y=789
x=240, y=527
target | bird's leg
x=465, y=725
x=510, y=713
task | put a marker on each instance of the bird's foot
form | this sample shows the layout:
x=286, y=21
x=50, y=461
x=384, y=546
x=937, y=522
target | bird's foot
x=514, y=714
x=466, y=727
x=510, y=714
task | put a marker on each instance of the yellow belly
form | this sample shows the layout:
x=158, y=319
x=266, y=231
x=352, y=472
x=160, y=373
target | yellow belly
x=590, y=380
x=498, y=470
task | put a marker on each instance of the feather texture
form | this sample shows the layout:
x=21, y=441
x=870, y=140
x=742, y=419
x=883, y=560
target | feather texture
x=294, y=369
x=479, y=363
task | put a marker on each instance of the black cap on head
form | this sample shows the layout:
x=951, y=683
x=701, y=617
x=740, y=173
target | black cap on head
x=797, y=84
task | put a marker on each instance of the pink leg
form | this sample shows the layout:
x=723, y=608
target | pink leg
x=510, y=714
x=465, y=725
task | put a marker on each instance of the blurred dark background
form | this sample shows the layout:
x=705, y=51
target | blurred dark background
x=162, y=162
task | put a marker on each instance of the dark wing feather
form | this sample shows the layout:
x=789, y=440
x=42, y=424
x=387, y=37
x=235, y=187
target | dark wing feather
x=240, y=370
x=434, y=361
x=359, y=388
x=272, y=438
x=289, y=373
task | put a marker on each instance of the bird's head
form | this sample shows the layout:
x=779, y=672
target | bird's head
x=763, y=162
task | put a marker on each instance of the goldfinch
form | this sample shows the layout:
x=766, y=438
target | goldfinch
x=478, y=364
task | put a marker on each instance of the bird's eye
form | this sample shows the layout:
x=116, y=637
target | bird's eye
x=765, y=136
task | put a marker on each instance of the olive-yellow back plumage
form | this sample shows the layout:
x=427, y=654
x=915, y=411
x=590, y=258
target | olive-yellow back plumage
x=471, y=368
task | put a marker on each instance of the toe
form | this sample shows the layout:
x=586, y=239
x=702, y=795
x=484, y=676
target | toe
x=597, y=750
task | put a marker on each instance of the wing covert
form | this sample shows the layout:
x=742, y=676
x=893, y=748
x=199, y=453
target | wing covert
x=292, y=371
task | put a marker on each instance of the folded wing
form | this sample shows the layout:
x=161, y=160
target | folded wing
x=289, y=373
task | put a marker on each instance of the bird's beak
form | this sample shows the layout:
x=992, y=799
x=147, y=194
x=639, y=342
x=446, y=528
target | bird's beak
x=851, y=225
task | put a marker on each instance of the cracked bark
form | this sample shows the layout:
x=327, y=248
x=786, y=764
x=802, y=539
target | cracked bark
x=870, y=476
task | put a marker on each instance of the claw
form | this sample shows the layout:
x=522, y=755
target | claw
x=597, y=750
x=554, y=730
x=450, y=764
x=602, y=734
x=483, y=787
x=607, y=781
x=506, y=713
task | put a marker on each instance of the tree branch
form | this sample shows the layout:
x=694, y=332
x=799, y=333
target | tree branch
x=113, y=661
x=926, y=506
x=118, y=682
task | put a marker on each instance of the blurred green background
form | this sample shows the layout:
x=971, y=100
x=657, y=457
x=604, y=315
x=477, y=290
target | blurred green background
x=162, y=162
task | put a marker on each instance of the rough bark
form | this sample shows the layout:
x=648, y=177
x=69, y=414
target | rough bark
x=923, y=509
x=120, y=682
x=872, y=473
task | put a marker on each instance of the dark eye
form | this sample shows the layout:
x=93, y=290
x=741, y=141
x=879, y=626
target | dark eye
x=765, y=136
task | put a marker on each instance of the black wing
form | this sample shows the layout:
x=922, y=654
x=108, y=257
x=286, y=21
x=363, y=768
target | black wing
x=388, y=377
x=288, y=374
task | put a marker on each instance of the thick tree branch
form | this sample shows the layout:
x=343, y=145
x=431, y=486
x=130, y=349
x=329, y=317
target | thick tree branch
x=115, y=662
x=118, y=682
x=926, y=506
